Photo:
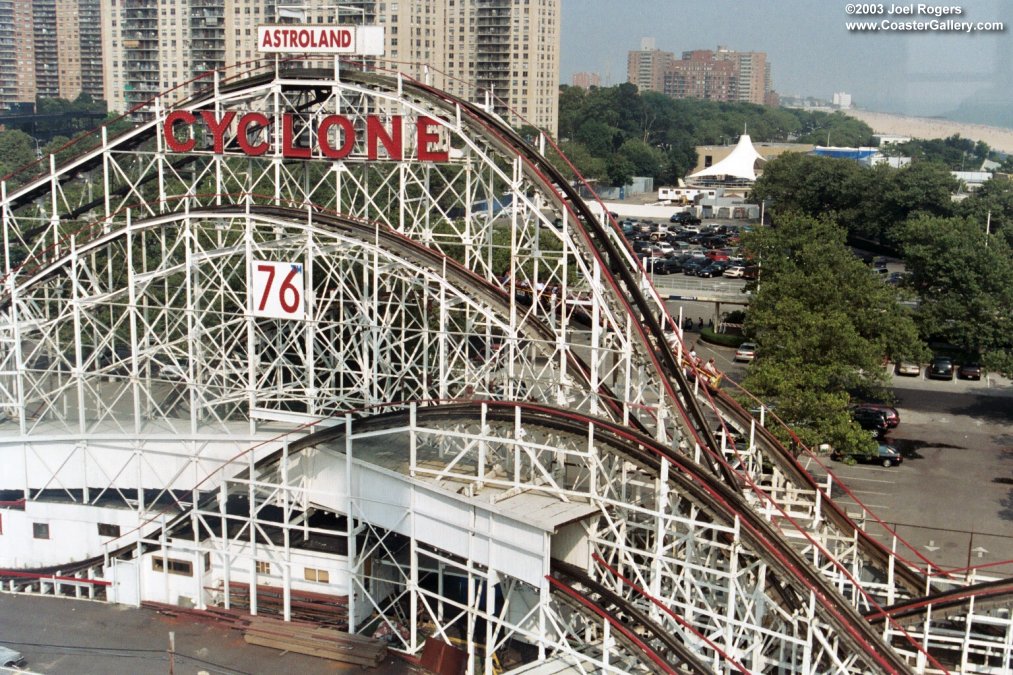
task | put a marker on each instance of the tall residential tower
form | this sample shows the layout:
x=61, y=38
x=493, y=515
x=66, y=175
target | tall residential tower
x=49, y=48
x=467, y=47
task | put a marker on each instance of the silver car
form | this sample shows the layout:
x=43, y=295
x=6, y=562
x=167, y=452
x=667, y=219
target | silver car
x=10, y=658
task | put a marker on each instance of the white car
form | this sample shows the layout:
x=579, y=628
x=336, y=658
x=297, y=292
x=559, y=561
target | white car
x=171, y=369
x=10, y=658
x=908, y=368
x=746, y=352
x=736, y=272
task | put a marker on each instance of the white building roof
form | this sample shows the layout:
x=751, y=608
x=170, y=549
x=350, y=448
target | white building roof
x=739, y=164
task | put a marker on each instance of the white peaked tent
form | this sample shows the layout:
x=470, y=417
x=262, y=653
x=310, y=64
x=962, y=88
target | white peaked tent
x=740, y=164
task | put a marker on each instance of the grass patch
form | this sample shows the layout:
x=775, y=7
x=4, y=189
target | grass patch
x=723, y=339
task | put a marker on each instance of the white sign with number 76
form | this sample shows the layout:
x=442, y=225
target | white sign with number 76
x=277, y=290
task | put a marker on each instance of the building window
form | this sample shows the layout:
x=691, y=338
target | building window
x=108, y=530
x=40, y=530
x=319, y=576
x=180, y=567
x=263, y=567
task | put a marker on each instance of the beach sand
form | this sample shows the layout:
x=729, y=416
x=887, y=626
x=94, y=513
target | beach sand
x=997, y=138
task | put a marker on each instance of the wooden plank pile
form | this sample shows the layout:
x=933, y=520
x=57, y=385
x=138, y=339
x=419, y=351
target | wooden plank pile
x=326, y=643
x=305, y=605
x=232, y=618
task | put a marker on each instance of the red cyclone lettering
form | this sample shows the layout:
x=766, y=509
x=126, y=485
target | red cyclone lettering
x=242, y=133
x=170, y=136
x=217, y=128
x=425, y=137
x=348, y=137
x=391, y=142
x=288, y=148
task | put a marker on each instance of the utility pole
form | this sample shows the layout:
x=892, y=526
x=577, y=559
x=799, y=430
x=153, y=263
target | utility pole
x=988, y=227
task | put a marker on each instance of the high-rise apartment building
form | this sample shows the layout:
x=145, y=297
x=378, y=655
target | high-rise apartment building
x=586, y=80
x=699, y=75
x=49, y=48
x=751, y=74
x=646, y=68
x=467, y=47
x=722, y=75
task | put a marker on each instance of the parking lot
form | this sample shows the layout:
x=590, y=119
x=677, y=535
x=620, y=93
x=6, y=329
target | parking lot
x=952, y=497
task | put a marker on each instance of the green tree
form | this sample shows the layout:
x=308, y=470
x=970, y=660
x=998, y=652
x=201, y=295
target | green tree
x=823, y=324
x=964, y=281
x=646, y=161
x=991, y=206
x=835, y=129
x=590, y=167
x=619, y=170
x=16, y=149
x=871, y=203
x=813, y=186
x=955, y=153
x=898, y=194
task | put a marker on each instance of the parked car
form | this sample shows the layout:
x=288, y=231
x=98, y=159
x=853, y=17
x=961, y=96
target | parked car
x=735, y=272
x=871, y=420
x=10, y=658
x=888, y=411
x=908, y=368
x=714, y=269
x=684, y=218
x=168, y=368
x=970, y=371
x=693, y=265
x=941, y=368
x=665, y=248
x=746, y=352
x=886, y=455
x=671, y=265
x=716, y=255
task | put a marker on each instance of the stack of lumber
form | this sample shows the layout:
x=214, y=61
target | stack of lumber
x=232, y=618
x=326, y=643
x=305, y=606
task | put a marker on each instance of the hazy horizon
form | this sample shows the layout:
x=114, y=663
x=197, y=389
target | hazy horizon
x=959, y=76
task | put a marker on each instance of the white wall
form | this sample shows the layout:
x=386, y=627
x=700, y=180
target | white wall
x=651, y=211
x=73, y=533
x=97, y=464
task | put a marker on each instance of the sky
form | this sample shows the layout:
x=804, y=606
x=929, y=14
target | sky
x=968, y=77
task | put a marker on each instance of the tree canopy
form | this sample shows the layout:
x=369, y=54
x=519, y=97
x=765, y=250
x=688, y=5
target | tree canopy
x=964, y=279
x=16, y=149
x=867, y=201
x=612, y=129
x=823, y=324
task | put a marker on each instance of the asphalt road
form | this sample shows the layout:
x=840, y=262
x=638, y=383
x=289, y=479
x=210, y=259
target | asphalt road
x=80, y=638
